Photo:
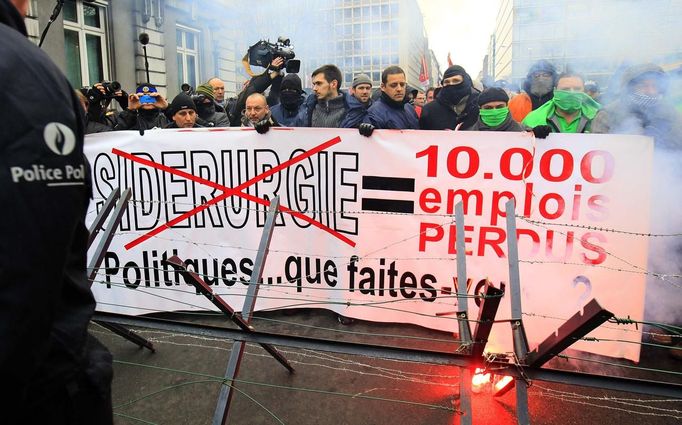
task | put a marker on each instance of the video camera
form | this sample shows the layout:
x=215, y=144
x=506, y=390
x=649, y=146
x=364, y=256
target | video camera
x=262, y=53
x=187, y=89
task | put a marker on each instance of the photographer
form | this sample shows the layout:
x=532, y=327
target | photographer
x=206, y=108
x=145, y=110
x=91, y=126
x=257, y=84
x=99, y=98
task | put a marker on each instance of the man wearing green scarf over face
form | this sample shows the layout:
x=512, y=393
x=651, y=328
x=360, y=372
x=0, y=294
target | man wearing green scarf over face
x=494, y=112
x=571, y=110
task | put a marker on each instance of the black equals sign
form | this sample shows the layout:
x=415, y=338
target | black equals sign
x=389, y=184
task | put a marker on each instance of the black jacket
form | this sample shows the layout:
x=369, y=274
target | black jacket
x=439, y=115
x=135, y=120
x=45, y=297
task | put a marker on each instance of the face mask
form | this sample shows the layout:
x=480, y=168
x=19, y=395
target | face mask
x=494, y=117
x=569, y=101
x=540, y=86
x=205, y=109
x=148, y=114
x=453, y=94
x=643, y=101
x=290, y=99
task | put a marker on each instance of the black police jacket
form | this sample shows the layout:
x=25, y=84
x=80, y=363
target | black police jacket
x=45, y=297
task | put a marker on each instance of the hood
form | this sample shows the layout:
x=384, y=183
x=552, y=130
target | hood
x=636, y=71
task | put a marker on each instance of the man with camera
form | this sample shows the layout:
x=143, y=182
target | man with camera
x=98, y=98
x=257, y=84
x=145, y=110
x=51, y=370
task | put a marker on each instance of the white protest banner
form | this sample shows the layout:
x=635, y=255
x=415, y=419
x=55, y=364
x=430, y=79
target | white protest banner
x=389, y=201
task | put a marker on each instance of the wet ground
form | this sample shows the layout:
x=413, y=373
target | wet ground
x=179, y=384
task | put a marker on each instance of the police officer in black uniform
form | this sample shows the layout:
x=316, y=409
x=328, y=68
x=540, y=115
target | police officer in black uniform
x=51, y=371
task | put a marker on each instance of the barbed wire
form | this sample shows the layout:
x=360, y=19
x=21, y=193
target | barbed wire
x=364, y=212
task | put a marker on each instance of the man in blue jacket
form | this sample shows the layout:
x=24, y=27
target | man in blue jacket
x=291, y=110
x=391, y=110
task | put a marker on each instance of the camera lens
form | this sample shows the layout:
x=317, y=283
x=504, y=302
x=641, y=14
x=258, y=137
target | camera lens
x=115, y=86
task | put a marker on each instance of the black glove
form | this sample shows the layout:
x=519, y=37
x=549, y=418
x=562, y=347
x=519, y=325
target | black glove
x=262, y=126
x=366, y=129
x=122, y=100
x=542, y=131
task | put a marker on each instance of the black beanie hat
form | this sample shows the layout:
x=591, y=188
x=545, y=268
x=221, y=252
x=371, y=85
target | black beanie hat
x=292, y=82
x=492, y=94
x=180, y=102
x=454, y=70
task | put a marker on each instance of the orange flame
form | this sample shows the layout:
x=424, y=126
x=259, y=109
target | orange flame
x=479, y=380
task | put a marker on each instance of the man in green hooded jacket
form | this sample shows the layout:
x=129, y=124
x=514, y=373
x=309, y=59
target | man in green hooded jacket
x=571, y=110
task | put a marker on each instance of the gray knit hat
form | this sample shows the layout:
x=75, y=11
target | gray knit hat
x=361, y=79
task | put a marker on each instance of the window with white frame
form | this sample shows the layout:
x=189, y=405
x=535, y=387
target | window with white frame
x=85, y=42
x=187, y=40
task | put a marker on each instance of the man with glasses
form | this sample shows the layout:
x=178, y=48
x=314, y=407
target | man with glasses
x=537, y=90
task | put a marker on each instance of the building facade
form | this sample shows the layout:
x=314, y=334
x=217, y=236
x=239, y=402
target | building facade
x=594, y=41
x=189, y=41
x=359, y=36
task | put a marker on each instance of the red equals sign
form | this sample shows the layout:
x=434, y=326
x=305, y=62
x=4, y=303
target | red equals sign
x=388, y=184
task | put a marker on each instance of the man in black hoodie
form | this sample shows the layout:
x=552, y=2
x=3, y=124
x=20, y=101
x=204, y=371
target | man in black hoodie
x=291, y=110
x=456, y=104
x=51, y=371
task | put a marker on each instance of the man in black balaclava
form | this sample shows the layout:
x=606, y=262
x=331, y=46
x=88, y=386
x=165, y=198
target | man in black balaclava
x=291, y=110
x=206, y=108
x=538, y=88
x=455, y=106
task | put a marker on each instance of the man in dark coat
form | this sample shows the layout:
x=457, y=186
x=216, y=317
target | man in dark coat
x=206, y=107
x=642, y=108
x=291, y=110
x=456, y=104
x=144, y=110
x=537, y=90
x=392, y=111
x=330, y=107
x=51, y=371
x=183, y=112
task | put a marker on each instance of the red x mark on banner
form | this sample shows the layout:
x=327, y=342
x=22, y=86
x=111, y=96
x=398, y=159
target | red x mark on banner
x=236, y=191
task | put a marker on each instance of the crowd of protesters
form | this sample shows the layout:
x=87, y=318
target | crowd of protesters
x=549, y=102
